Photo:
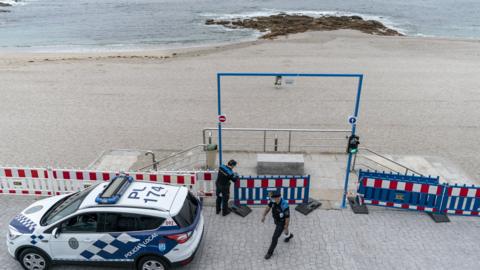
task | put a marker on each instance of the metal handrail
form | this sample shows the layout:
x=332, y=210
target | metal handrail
x=281, y=129
x=172, y=156
x=386, y=158
x=99, y=157
x=174, y=164
x=265, y=137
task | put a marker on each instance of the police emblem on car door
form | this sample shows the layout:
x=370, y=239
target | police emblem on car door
x=74, y=235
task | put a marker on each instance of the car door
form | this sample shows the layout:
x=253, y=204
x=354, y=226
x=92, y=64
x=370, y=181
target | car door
x=76, y=238
x=134, y=234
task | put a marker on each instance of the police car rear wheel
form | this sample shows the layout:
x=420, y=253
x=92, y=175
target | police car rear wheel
x=32, y=259
x=152, y=263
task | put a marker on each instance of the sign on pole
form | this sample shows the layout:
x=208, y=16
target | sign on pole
x=222, y=118
x=352, y=120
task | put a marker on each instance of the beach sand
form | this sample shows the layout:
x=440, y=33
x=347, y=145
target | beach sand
x=420, y=96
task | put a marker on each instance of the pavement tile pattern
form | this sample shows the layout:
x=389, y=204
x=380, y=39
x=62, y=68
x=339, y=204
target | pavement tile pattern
x=325, y=239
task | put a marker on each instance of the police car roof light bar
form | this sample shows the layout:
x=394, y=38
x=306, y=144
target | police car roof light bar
x=115, y=189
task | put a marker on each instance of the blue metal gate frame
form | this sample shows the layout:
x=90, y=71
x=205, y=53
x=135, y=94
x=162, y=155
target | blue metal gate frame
x=355, y=111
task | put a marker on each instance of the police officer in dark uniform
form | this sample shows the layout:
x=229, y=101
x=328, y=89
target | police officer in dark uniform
x=281, y=217
x=225, y=175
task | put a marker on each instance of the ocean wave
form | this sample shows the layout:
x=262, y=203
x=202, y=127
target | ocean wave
x=12, y=2
x=388, y=22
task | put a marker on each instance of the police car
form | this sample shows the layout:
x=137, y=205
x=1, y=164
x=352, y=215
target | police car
x=149, y=225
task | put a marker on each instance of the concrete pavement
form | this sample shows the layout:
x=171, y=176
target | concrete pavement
x=325, y=239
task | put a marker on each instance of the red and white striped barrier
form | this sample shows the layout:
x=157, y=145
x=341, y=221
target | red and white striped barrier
x=25, y=181
x=254, y=190
x=391, y=188
x=206, y=183
x=47, y=182
x=463, y=201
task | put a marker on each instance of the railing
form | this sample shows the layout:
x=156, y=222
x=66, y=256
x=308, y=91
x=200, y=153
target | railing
x=94, y=163
x=177, y=159
x=279, y=140
x=403, y=169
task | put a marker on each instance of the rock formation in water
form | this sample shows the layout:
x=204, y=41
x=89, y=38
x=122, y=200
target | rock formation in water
x=284, y=24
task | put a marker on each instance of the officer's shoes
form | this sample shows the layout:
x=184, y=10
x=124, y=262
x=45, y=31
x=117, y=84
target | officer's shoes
x=288, y=238
x=218, y=211
x=268, y=256
x=225, y=213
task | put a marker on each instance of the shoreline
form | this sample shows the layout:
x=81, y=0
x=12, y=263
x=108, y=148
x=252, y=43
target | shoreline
x=162, y=53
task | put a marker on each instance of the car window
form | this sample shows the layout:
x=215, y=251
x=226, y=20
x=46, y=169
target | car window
x=187, y=214
x=80, y=223
x=149, y=222
x=65, y=206
x=123, y=222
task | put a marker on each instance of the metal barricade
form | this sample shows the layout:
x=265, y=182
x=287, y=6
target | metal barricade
x=47, y=181
x=417, y=193
x=254, y=190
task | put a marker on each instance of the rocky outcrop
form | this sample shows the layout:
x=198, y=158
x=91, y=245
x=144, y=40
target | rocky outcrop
x=284, y=24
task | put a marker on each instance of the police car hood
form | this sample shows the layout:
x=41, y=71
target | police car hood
x=29, y=218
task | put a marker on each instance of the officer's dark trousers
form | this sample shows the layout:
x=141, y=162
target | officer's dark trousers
x=278, y=232
x=223, y=195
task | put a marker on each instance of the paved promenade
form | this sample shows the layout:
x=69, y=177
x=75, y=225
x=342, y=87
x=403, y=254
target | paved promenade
x=384, y=239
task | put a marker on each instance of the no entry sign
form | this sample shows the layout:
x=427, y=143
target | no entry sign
x=222, y=118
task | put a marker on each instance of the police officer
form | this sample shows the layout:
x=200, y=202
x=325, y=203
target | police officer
x=281, y=217
x=225, y=175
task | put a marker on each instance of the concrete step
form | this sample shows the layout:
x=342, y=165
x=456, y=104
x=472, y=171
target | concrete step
x=283, y=164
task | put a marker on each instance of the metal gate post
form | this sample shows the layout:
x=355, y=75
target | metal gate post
x=355, y=114
x=220, y=161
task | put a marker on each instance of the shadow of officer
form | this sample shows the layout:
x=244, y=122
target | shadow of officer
x=281, y=217
x=225, y=175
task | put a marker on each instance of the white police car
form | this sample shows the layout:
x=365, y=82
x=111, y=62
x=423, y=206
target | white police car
x=149, y=225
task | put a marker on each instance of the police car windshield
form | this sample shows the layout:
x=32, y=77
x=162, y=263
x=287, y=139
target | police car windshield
x=65, y=207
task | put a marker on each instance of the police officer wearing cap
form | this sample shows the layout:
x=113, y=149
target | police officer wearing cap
x=281, y=217
x=225, y=175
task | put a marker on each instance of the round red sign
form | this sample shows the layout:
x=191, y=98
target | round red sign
x=222, y=118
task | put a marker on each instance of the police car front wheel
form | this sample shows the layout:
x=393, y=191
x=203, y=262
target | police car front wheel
x=152, y=263
x=33, y=259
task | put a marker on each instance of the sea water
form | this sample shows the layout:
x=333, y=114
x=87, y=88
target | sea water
x=84, y=25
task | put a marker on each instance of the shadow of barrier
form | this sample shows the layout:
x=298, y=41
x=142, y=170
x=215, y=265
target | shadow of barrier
x=417, y=193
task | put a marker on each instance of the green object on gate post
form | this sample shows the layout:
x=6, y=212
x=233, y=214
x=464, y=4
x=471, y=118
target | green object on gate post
x=211, y=147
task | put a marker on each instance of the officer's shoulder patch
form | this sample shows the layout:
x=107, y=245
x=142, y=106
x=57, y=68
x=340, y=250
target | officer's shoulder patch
x=284, y=205
x=226, y=169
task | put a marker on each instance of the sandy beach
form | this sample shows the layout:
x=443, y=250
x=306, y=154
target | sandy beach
x=420, y=96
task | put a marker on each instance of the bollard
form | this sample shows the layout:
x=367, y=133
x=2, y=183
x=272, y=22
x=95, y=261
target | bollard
x=211, y=155
x=276, y=143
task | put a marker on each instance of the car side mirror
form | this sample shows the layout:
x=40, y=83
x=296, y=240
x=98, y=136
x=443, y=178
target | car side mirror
x=55, y=232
